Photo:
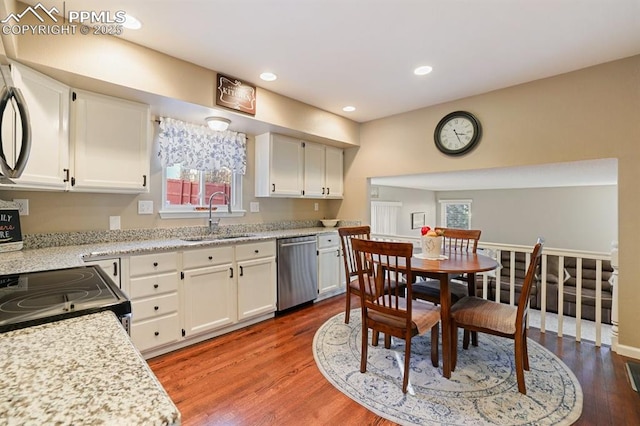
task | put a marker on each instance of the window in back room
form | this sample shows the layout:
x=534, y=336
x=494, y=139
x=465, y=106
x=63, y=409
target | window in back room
x=455, y=214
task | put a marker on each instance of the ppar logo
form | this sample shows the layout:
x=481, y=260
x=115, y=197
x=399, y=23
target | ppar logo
x=38, y=11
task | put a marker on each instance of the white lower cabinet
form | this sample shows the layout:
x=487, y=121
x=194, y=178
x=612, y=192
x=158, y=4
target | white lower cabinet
x=209, y=290
x=110, y=266
x=256, y=279
x=330, y=266
x=180, y=298
x=153, y=289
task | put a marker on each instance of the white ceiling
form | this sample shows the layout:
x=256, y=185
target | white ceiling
x=332, y=53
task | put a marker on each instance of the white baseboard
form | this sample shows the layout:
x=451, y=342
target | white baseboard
x=628, y=351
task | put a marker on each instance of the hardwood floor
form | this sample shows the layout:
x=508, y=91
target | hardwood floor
x=265, y=375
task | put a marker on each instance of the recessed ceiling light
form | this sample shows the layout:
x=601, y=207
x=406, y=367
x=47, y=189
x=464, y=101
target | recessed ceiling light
x=268, y=76
x=349, y=108
x=423, y=70
x=131, y=22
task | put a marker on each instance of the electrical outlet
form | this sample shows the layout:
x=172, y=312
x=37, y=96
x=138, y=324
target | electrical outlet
x=114, y=223
x=23, y=206
x=315, y=206
x=254, y=207
x=145, y=207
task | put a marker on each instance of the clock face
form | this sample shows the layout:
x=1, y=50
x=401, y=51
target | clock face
x=457, y=133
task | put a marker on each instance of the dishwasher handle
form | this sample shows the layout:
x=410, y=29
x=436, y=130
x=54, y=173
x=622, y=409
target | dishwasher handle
x=299, y=243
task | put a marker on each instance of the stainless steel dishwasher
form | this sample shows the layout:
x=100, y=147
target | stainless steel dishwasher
x=297, y=271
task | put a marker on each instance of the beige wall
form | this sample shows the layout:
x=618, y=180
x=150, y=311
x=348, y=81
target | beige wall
x=588, y=114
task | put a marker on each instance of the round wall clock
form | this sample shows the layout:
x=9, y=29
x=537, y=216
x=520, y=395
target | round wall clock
x=457, y=133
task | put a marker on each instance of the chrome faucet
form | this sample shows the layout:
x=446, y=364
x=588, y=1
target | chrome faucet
x=213, y=223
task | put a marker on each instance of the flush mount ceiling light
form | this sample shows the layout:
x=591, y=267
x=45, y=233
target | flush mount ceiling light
x=268, y=76
x=131, y=22
x=219, y=124
x=423, y=70
x=349, y=108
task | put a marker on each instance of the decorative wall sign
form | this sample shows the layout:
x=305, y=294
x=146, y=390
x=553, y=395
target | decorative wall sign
x=10, y=234
x=235, y=94
x=417, y=220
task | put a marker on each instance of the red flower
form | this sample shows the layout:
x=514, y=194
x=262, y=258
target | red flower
x=424, y=230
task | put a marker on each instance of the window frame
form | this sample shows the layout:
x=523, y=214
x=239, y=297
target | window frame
x=443, y=211
x=185, y=211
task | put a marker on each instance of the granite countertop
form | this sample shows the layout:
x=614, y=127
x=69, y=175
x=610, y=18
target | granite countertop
x=39, y=259
x=85, y=371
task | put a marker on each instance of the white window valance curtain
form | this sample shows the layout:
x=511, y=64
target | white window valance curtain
x=198, y=147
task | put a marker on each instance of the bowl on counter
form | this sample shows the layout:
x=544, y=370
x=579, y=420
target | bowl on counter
x=329, y=223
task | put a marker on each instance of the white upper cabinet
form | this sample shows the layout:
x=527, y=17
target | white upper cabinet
x=314, y=165
x=48, y=106
x=322, y=171
x=334, y=172
x=279, y=166
x=288, y=167
x=110, y=142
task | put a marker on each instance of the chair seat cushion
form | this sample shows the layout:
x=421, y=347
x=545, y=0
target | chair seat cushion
x=430, y=290
x=423, y=316
x=485, y=314
x=355, y=285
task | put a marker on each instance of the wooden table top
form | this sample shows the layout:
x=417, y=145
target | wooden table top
x=455, y=263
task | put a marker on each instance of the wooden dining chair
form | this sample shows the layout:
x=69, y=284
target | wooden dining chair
x=486, y=316
x=380, y=264
x=351, y=274
x=454, y=240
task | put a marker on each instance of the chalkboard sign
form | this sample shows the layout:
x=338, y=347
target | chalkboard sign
x=10, y=234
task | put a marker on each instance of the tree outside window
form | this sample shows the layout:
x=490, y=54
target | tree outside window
x=455, y=214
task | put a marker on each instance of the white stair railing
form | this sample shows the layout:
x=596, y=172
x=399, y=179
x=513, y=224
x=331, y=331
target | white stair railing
x=493, y=280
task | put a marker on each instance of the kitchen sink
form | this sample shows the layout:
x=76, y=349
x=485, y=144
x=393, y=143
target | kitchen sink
x=214, y=237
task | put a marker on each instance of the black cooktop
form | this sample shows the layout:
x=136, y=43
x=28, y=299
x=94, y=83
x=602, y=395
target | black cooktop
x=34, y=298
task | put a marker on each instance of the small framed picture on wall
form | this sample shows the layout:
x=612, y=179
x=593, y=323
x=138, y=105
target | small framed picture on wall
x=417, y=220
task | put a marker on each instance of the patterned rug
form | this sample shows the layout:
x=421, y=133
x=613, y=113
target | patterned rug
x=482, y=389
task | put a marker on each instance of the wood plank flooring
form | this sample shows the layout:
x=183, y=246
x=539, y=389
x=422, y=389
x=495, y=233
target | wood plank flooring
x=266, y=375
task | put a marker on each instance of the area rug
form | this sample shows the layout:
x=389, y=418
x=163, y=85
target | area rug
x=482, y=389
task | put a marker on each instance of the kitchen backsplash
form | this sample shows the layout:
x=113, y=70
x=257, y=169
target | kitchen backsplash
x=35, y=241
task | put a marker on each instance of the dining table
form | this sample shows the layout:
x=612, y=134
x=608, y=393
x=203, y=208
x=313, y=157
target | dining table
x=450, y=263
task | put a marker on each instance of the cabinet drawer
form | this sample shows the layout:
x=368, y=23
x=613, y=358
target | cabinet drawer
x=156, y=332
x=152, y=264
x=255, y=250
x=207, y=257
x=155, y=307
x=154, y=285
x=328, y=240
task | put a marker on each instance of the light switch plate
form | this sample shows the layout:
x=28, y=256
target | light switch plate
x=145, y=207
x=254, y=207
x=114, y=223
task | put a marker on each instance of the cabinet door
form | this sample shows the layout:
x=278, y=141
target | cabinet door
x=334, y=172
x=314, y=170
x=210, y=299
x=256, y=287
x=286, y=160
x=110, y=144
x=48, y=105
x=110, y=266
x=329, y=270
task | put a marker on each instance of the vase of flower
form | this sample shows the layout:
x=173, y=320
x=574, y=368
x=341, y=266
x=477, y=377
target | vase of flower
x=431, y=243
